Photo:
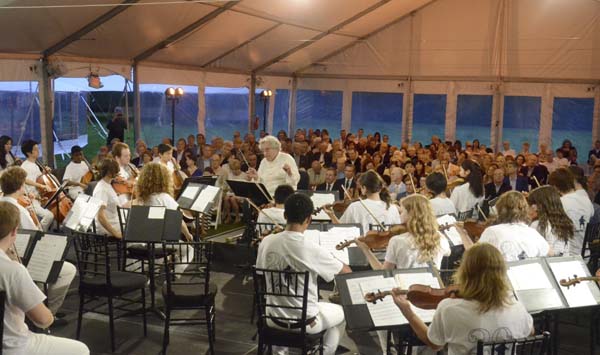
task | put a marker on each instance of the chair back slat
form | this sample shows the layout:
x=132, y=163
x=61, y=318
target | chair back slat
x=533, y=345
x=187, y=265
x=93, y=256
x=123, y=214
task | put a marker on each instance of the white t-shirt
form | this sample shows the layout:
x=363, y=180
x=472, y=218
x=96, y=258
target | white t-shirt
x=356, y=213
x=579, y=208
x=33, y=172
x=24, y=217
x=458, y=323
x=105, y=193
x=275, y=213
x=162, y=199
x=516, y=241
x=442, y=206
x=74, y=172
x=291, y=250
x=271, y=173
x=463, y=199
x=559, y=247
x=403, y=252
x=124, y=172
x=22, y=295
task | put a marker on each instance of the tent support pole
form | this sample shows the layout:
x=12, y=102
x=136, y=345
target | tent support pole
x=46, y=114
x=137, y=116
x=292, y=107
x=252, y=103
x=596, y=119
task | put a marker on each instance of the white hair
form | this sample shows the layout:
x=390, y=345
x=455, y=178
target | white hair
x=269, y=141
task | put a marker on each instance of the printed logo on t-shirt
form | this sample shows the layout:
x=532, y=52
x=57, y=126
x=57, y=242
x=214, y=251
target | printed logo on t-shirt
x=500, y=334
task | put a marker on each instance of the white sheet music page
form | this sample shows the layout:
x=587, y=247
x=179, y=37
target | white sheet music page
x=190, y=192
x=329, y=240
x=577, y=295
x=404, y=281
x=348, y=232
x=384, y=312
x=207, y=195
x=57, y=243
x=21, y=243
x=72, y=220
x=320, y=200
x=356, y=295
x=451, y=233
x=528, y=277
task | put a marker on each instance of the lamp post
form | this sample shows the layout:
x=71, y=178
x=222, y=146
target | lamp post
x=265, y=95
x=173, y=95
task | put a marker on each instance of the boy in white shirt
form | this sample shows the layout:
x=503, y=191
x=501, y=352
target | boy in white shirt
x=24, y=298
x=440, y=203
x=511, y=234
x=75, y=171
x=31, y=150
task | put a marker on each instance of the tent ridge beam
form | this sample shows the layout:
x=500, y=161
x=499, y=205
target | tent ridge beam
x=241, y=45
x=126, y=4
x=184, y=32
x=321, y=35
x=365, y=37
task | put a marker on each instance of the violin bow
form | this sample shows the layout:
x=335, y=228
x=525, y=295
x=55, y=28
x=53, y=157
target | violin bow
x=481, y=211
x=445, y=172
x=536, y=180
x=365, y=207
x=277, y=225
x=412, y=183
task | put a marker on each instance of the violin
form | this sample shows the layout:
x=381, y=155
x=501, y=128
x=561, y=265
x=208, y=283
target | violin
x=178, y=177
x=421, y=296
x=474, y=229
x=26, y=202
x=338, y=207
x=121, y=186
x=575, y=280
x=61, y=205
x=375, y=239
x=454, y=183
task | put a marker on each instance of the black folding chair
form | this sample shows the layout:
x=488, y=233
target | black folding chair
x=98, y=281
x=189, y=289
x=533, y=345
x=284, y=292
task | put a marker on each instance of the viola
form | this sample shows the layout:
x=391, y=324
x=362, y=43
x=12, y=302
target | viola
x=375, y=239
x=474, y=229
x=338, y=207
x=26, y=202
x=575, y=280
x=454, y=183
x=421, y=296
x=121, y=186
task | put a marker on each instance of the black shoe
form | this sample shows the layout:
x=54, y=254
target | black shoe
x=59, y=322
x=60, y=315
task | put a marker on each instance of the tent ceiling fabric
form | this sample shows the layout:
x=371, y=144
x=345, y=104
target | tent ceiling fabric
x=435, y=38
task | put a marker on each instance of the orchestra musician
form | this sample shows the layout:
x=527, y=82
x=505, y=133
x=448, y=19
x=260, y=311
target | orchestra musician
x=107, y=219
x=31, y=150
x=12, y=183
x=467, y=196
x=75, y=171
x=127, y=173
x=7, y=158
x=436, y=183
x=165, y=157
x=289, y=250
x=550, y=219
x=510, y=232
x=374, y=209
x=277, y=167
x=485, y=306
x=276, y=213
x=24, y=298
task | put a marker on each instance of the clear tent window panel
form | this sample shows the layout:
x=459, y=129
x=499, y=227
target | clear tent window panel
x=378, y=112
x=474, y=118
x=227, y=112
x=319, y=109
x=20, y=113
x=429, y=117
x=156, y=113
x=572, y=119
x=282, y=109
x=522, y=121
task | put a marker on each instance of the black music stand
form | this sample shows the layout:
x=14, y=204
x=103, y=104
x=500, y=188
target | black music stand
x=55, y=196
x=198, y=198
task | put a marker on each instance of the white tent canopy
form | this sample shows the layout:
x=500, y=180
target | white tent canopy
x=546, y=48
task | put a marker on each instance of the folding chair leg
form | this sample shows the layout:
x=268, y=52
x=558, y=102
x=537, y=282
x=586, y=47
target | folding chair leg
x=259, y=350
x=210, y=330
x=166, y=331
x=80, y=314
x=111, y=322
x=144, y=311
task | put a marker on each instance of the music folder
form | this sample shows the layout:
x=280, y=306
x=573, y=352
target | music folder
x=198, y=197
x=153, y=224
x=45, y=255
x=256, y=192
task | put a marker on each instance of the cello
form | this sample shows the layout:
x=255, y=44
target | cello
x=60, y=205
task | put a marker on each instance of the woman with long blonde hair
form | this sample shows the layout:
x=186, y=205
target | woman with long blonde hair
x=421, y=245
x=511, y=233
x=486, y=306
x=550, y=219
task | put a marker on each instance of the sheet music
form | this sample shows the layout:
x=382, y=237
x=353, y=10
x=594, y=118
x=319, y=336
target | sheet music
x=329, y=240
x=156, y=212
x=83, y=212
x=75, y=213
x=21, y=243
x=451, y=233
x=190, y=192
x=47, y=250
x=404, y=281
x=348, y=232
x=207, y=195
x=384, y=312
x=577, y=295
x=354, y=290
x=58, y=243
x=320, y=200
x=528, y=277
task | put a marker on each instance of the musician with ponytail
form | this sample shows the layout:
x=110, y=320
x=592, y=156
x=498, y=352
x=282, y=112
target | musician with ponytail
x=466, y=196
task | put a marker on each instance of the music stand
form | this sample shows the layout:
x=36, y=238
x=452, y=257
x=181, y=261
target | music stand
x=83, y=213
x=199, y=199
x=55, y=196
